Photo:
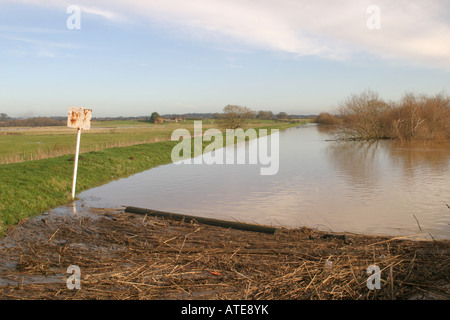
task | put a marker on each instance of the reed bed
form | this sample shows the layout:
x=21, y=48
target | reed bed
x=61, y=150
x=128, y=256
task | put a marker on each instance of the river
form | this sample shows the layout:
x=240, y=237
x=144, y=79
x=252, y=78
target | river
x=383, y=187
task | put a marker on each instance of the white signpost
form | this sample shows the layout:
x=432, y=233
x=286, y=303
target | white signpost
x=78, y=118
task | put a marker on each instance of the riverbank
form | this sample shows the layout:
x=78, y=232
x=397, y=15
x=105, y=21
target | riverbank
x=123, y=255
x=30, y=188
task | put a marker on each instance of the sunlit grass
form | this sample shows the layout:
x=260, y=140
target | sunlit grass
x=25, y=144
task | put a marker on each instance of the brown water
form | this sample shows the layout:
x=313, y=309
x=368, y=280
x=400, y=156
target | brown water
x=377, y=187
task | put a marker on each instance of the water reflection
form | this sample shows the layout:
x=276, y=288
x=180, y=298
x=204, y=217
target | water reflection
x=410, y=157
x=359, y=161
x=415, y=157
x=396, y=181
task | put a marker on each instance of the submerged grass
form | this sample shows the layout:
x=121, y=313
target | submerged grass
x=30, y=188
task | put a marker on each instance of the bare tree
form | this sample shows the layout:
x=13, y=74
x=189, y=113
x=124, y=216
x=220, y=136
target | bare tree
x=364, y=116
x=422, y=118
x=282, y=116
x=234, y=117
x=267, y=115
x=327, y=119
x=414, y=117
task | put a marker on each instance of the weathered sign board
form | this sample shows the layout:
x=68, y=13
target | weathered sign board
x=79, y=118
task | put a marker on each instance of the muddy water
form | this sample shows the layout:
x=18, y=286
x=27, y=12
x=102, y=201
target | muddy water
x=377, y=188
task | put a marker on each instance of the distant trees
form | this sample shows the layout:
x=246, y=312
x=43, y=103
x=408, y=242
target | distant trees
x=155, y=118
x=234, y=117
x=266, y=115
x=32, y=122
x=3, y=117
x=327, y=118
x=283, y=116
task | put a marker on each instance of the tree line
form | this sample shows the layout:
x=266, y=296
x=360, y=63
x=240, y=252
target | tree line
x=6, y=121
x=234, y=116
x=366, y=116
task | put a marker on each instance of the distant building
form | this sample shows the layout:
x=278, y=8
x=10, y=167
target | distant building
x=173, y=119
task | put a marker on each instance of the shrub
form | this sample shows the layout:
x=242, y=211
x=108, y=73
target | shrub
x=421, y=118
x=327, y=119
x=414, y=117
x=364, y=116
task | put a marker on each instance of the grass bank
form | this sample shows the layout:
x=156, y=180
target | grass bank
x=30, y=188
x=27, y=143
x=34, y=143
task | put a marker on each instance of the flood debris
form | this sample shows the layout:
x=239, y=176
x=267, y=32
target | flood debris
x=123, y=255
x=204, y=220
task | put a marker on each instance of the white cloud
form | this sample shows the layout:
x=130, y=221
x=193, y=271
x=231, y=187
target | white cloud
x=38, y=48
x=102, y=13
x=46, y=54
x=415, y=30
x=36, y=42
x=32, y=30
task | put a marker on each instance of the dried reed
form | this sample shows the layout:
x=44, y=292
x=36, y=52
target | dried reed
x=127, y=256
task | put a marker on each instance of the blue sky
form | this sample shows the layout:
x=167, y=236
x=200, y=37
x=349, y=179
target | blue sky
x=131, y=58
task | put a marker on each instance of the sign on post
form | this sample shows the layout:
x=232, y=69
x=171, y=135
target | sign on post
x=78, y=118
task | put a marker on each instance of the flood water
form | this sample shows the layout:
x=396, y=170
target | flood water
x=380, y=187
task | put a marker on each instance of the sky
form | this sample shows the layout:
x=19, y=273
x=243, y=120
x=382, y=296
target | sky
x=134, y=57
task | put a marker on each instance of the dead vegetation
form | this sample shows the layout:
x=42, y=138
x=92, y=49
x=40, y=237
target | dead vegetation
x=327, y=119
x=414, y=118
x=128, y=256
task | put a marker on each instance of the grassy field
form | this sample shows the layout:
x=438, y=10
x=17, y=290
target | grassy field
x=24, y=144
x=29, y=188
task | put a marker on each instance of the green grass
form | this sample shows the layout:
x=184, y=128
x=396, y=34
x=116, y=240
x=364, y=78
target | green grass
x=33, y=144
x=40, y=143
x=119, y=123
x=30, y=188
